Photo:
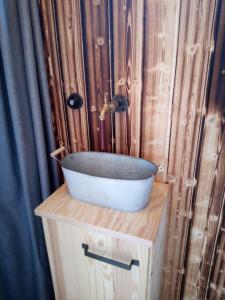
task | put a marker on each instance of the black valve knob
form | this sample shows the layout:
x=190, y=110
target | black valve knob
x=74, y=101
x=122, y=103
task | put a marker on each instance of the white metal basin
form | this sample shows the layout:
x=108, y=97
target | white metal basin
x=111, y=180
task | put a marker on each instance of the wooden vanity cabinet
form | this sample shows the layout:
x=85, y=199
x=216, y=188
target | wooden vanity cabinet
x=99, y=253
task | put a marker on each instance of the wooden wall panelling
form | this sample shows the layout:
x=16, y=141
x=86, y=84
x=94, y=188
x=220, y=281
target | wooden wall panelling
x=54, y=73
x=211, y=269
x=128, y=33
x=68, y=15
x=195, y=47
x=217, y=282
x=168, y=45
x=211, y=185
x=96, y=36
x=160, y=48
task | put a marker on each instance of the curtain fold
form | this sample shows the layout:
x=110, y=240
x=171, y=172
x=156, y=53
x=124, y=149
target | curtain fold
x=27, y=175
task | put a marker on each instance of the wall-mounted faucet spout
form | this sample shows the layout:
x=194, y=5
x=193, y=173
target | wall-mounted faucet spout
x=108, y=107
x=118, y=103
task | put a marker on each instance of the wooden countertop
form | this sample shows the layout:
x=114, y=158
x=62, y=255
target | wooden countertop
x=140, y=226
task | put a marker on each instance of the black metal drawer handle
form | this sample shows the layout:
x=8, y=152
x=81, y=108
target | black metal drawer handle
x=108, y=260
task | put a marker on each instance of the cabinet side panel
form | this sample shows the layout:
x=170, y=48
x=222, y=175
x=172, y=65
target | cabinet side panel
x=158, y=259
x=52, y=243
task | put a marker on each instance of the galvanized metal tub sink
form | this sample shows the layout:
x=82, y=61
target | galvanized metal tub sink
x=111, y=180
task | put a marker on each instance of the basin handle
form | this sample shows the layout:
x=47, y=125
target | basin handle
x=57, y=152
x=108, y=260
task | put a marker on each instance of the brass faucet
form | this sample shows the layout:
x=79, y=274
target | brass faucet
x=108, y=107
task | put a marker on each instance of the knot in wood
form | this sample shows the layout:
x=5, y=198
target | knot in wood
x=212, y=286
x=190, y=182
x=121, y=81
x=171, y=178
x=96, y=2
x=195, y=259
x=197, y=233
x=192, y=49
x=93, y=108
x=100, y=243
x=181, y=271
x=213, y=218
x=185, y=214
x=73, y=85
x=161, y=35
x=100, y=41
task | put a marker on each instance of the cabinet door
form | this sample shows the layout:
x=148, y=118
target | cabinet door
x=77, y=276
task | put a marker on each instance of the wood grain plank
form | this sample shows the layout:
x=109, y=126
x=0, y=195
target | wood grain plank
x=142, y=225
x=211, y=185
x=194, y=52
x=96, y=33
x=217, y=279
x=158, y=257
x=128, y=33
x=160, y=40
x=68, y=14
x=54, y=73
x=52, y=241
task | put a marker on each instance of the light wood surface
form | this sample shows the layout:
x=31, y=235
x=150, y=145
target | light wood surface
x=116, y=235
x=76, y=276
x=158, y=258
x=140, y=226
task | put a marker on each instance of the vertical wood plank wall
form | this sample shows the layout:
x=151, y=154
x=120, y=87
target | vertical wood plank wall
x=63, y=39
x=193, y=55
x=68, y=23
x=54, y=74
x=208, y=214
x=160, y=51
x=97, y=62
x=128, y=31
x=167, y=58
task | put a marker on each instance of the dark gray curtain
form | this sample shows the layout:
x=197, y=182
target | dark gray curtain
x=27, y=175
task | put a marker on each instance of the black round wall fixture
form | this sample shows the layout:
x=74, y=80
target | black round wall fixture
x=122, y=103
x=74, y=101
